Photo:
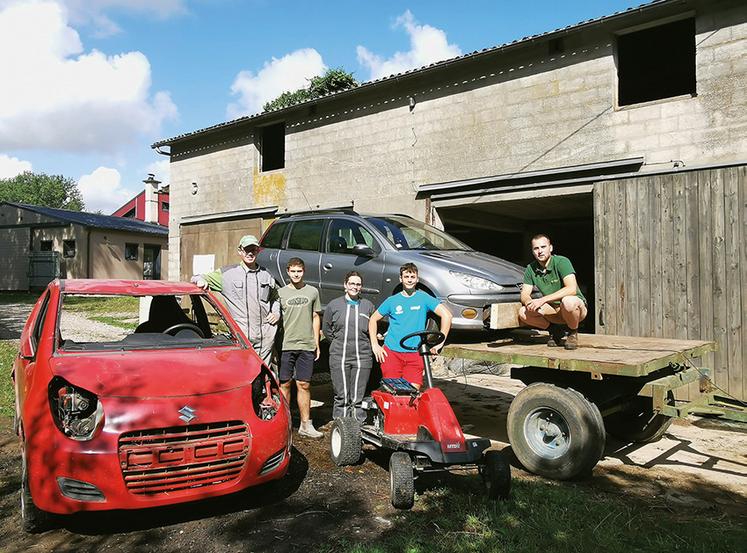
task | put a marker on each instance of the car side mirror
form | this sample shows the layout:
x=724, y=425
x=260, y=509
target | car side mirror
x=363, y=250
x=27, y=350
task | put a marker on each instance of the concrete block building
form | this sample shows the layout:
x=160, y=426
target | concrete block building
x=624, y=138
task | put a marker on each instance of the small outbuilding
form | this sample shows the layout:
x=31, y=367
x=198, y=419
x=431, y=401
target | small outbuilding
x=38, y=244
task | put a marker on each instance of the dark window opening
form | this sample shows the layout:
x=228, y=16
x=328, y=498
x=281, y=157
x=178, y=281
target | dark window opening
x=555, y=46
x=273, y=147
x=68, y=248
x=164, y=206
x=131, y=252
x=656, y=63
x=274, y=236
x=130, y=213
x=45, y=246
x=306, y=235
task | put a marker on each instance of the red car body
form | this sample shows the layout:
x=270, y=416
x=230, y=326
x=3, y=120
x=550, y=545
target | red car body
x=142, y=452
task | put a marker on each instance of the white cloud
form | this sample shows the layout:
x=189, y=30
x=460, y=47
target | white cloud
x=427, y=45
x=102, y=190
x=57, y=96
x=161, y=169
x=92, y=13
x=291, y=72
x=12, y=166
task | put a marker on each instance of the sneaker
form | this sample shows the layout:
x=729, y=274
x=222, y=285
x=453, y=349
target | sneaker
x=571, y=341
x=556, y=336
x=307, y=429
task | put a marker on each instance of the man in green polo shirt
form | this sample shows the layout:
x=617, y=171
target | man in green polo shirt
x=561, y=302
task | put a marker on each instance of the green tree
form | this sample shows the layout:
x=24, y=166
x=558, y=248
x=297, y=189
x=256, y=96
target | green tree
x=42, y=189
x=333, y=80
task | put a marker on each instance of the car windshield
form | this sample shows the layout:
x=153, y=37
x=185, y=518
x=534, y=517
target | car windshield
x=90, y=322
x=405, y=233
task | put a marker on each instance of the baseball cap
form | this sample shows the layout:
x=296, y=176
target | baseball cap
x=248, y=240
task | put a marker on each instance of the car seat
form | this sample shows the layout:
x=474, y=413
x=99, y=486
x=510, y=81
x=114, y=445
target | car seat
x=164, y=312
x=337, y=244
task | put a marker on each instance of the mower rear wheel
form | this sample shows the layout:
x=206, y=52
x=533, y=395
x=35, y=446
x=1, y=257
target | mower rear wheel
x=496, y=474
x=401, y=480
x=345, y=441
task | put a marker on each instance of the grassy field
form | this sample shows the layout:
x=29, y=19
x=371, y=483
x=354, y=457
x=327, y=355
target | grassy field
x=544, y=516
x=115, y=311
x=8, y=351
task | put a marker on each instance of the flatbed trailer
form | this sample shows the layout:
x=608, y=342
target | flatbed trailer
x=617, y=385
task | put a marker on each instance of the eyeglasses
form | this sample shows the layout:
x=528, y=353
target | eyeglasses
x=252, y=250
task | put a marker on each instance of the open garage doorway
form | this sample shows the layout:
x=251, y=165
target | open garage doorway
x=504, y=226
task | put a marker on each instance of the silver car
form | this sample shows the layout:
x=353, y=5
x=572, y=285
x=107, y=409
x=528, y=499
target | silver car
x=332, y=243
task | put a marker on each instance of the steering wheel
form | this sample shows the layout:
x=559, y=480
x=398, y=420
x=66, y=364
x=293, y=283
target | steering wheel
x=429, y=337
x=184, y=326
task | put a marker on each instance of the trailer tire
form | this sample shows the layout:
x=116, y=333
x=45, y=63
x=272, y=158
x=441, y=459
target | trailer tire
x=638, y=423
x=496, y=474
x=345, y=441
x=401, y=480
x=555, y=432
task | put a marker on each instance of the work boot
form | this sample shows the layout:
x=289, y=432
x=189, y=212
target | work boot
x=571, y=341
x=307, y=429
x=556, y=335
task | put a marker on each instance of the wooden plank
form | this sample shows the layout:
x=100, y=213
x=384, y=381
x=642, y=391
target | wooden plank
x=610, y=259
x=667, y=252
x=621, y=238
x=705, y=262
x=742, y=176
x=734, y=282
x=504, y=315
x=720, y=369
x=619, y=355
x=632, y=305
x=600, y=234
x=643, y=236
x=692, y=259
x=679, y=256
x=656, y=278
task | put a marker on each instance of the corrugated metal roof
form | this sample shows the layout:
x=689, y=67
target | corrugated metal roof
x=95, y=220
x=435, y=65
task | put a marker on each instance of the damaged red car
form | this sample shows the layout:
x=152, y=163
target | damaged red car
x=161, y=401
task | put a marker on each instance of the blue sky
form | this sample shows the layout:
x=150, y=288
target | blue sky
x=88, y=85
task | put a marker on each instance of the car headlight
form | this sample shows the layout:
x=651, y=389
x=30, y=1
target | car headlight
x=476, y=282
x=76, y=412
x=265, y=395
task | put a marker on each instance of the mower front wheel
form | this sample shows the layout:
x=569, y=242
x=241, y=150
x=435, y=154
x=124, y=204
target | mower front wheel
x=496, y=474
x=345, y=441
x=401, y=480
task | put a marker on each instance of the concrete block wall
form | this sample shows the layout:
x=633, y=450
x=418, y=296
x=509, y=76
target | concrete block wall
x=514, y=111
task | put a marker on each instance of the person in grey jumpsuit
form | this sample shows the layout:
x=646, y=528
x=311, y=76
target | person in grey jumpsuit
x=251, y=295
x=345, y=325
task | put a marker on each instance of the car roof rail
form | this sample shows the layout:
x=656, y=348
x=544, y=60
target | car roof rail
x=343, y=210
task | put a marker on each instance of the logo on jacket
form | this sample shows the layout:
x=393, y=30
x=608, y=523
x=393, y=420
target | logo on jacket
x=398, y=310
x=187, y=414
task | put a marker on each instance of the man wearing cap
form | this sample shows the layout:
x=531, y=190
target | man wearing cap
x=251, y=296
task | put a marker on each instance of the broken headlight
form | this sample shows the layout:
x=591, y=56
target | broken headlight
x=265, y=395
x=76, y=412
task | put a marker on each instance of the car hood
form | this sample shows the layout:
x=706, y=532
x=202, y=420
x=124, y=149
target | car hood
x=477, y=263
x=161, y=373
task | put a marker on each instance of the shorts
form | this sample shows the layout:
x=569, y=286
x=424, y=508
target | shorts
x=407, y=365
x=296, y=364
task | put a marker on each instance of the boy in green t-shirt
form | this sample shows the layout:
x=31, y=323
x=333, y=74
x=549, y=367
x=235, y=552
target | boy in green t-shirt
x=561, y=302
x=300, y=306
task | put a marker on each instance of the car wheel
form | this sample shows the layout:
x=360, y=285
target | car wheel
x=496, y=474
x=637, y=422
x=345, y=441
x=401, y=480
x=555, y=432
x=33, y=519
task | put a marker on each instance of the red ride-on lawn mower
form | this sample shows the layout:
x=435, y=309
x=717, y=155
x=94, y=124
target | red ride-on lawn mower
x=420, y=427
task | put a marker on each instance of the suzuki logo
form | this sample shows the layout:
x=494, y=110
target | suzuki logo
x=187, y=414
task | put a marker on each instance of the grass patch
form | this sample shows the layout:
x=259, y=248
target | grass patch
x=28, y=298
x=126, y=323
x=122, y=306
x=8, y=352
x=549, y=517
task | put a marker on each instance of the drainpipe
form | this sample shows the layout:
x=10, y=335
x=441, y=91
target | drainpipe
x=88, y=253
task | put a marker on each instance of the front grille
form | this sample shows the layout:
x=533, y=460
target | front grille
x=166, y=460
x=273, y=462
